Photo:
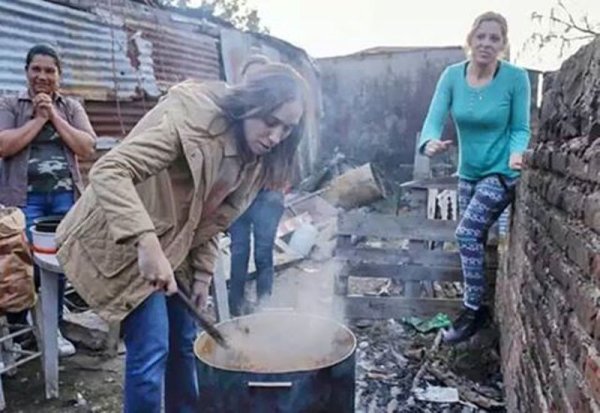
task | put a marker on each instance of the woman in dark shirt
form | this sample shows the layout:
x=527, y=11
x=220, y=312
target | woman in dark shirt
x=42, y=133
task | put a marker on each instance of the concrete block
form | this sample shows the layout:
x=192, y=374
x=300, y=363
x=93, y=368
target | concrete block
x=87, y=329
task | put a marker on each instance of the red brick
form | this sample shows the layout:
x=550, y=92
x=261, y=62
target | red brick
x=532, y=388
x=559, y=162
x=584, y=298
x=592, y=374
x=578, y=343
x=595, y=268
x=591, y=213
x=558, y=307
x=528, y=158
x=578, y=250
x=555, y=194
x=577, y=392
x=573, y=201
x=558, y=401
x=593, y=156
x=559, y=270
x=594, y=169
x=577, y=168
x=559, y=232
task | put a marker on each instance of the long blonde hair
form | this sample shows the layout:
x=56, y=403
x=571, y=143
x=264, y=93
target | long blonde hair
x=488, y=16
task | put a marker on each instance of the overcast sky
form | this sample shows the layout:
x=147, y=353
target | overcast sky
x=337, y=27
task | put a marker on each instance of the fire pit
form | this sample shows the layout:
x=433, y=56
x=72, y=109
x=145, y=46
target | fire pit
x=278, y=362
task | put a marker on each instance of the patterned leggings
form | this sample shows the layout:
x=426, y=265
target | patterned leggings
x=480, y=204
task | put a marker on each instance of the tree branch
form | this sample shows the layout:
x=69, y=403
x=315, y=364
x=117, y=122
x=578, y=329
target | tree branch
x=571, y=23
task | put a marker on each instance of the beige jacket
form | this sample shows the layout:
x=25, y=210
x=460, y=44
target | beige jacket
x=177, y=173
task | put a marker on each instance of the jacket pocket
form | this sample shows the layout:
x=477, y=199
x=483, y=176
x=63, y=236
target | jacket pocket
x=109, y=258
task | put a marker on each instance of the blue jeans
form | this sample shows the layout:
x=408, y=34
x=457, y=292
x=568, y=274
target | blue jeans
x=39, y=205
x=159, y=340
x=261, y=219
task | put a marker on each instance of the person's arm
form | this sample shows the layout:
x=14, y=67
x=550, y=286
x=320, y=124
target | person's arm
x=78, y=136
x=438, y=111
x=14, y=140
x=114, y=176
x=519, y=117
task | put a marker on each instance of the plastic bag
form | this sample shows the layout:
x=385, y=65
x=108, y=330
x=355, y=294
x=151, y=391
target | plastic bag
x=17, y=288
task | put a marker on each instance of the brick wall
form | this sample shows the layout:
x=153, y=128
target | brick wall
x=548, y=295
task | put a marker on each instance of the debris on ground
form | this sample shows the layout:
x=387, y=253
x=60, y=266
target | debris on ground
x=437, y=322
x=437, y=394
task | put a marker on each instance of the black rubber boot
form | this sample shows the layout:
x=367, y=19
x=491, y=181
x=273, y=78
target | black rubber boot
x=466, y=325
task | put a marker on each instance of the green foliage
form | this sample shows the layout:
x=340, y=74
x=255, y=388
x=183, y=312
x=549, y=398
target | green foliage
x=236, y=12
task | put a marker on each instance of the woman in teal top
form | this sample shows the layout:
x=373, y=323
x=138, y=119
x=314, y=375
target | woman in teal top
x=489, y=100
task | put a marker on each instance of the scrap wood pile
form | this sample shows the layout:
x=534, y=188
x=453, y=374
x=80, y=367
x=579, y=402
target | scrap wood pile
x=402, y=369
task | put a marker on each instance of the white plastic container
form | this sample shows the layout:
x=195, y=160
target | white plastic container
x=43, y=242
x=304, y=239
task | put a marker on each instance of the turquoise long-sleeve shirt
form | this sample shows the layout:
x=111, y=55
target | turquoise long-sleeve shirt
x=492, y=121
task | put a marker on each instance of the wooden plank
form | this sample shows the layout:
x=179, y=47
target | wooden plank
x=396, y=307
x=392, y=226
x=406, y=272
x=434, y=258
x=442, y=182
x=340, y=285
x=400, y=227
x=409, y=272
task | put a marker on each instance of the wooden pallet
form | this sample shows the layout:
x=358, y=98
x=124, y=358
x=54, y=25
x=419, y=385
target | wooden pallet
x=414, y=264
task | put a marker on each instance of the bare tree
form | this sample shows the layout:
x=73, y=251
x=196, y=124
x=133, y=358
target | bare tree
x=562, y=27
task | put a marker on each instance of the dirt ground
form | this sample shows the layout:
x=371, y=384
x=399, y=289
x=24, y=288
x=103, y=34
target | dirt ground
x=88, y=383
x=91, y=383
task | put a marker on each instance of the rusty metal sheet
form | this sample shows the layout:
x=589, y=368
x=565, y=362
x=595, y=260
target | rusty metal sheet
x=123, y=51
x=112, y=120
x=177, y=53
x=89, y=47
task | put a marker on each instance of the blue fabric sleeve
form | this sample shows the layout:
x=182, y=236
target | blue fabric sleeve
x=438, y=110
x=520, y=112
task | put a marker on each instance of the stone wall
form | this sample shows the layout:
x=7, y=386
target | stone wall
x=548, y=296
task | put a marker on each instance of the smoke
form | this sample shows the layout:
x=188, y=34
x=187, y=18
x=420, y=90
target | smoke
x=279, y=341
x=297, y=328
x=307, y=288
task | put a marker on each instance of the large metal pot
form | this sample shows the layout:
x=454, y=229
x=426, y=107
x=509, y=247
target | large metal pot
x=278, y=362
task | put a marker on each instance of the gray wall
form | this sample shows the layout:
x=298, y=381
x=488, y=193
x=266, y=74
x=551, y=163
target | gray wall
x=374, y=104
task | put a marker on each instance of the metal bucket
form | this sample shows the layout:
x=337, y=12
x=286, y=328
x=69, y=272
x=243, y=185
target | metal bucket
x=279, y=361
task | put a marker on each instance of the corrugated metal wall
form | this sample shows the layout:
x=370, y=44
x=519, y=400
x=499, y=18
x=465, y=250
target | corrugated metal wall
x=143, y=52
x=179, y=54
x=85, y=42
x=119, y=56
x=111, y=120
